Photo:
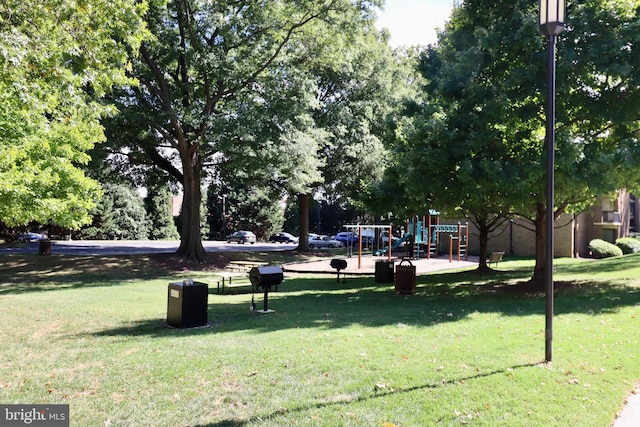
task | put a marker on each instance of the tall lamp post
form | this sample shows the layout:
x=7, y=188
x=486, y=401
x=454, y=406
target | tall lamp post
x=552, y=20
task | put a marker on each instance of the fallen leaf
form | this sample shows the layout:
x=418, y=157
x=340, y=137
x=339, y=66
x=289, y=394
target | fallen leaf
x=380, y=386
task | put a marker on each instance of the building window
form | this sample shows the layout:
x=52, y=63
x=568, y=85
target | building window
x=609, y=235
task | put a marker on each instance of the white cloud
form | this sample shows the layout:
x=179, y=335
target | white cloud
x=412, y=22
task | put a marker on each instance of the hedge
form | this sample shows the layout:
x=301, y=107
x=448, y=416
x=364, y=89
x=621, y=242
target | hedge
x=600, y=249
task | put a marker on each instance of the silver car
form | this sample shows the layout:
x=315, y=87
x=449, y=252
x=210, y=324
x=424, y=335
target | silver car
x=323, y=242
x=242, y=237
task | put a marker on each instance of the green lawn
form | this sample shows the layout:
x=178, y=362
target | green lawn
x=465, y=350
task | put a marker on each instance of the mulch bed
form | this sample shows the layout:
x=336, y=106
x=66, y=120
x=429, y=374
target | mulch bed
x=172, y=262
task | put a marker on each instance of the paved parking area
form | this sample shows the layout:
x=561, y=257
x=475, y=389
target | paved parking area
x=366, y=265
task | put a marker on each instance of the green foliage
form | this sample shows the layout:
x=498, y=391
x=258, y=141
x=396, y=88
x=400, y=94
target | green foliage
x=120, y=215
x=255, y=209
x=57, y=61
x=228, y=91
x=599, y=248
x=475, y=146
x=629, y=245
x=159, y=211
x=292, y=217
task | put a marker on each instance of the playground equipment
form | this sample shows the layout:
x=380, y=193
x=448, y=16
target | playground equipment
x=358, y=228
x=426, y=236
x=406, y=238
x=419, y=234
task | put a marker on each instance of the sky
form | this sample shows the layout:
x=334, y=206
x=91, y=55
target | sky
x=412, y=22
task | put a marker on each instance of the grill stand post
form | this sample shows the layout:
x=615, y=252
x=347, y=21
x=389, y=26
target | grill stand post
x=265, y=308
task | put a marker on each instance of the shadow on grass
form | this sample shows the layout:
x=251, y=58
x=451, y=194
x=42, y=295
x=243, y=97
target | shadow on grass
x=22, y=273
x=30, y=272
x=323, y=304
x=621, y=264
x=375, y=394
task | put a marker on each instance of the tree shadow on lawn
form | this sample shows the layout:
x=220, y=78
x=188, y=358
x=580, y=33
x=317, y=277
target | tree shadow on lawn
x=301, y=304
x=621, y=264
x=22, y=273
x=375, y=394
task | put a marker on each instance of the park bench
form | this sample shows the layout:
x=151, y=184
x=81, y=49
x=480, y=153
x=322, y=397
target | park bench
x=236, y=275
x=495, y=257
x=231, y=279
x=244, y=266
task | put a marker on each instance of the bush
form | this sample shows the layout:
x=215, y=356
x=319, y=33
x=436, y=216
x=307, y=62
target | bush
x=629, y=245
x=600, y=249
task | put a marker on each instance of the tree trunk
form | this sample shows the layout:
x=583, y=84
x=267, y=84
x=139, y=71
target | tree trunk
x=191, y=248
x=303, y=206
x=538, y=278
x=483, y=239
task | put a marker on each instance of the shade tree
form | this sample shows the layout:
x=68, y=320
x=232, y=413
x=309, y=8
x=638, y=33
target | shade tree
x=479, y=138
x=58, y=61
x=218, y=91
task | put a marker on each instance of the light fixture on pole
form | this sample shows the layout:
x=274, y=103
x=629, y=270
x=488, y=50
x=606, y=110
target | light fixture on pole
x=552, y=21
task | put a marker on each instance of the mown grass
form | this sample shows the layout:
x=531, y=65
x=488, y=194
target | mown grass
x=467, y=349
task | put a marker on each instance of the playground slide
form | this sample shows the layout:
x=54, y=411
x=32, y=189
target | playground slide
x=395, y=245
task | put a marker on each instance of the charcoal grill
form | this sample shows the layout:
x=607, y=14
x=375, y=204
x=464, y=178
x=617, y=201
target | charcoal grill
x=265, y=277
x=339, y=264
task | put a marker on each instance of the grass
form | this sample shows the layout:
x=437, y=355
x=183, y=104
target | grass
x=467, y=349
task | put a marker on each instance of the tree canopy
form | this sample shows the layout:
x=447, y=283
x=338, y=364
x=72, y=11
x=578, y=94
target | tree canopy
x=58, y=60
x=224, y=88
x=478, y=139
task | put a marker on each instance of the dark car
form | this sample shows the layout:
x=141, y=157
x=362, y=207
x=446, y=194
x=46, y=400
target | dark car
x=283, y=238
x=347, y=238
x=351, y=239
x=242, y=237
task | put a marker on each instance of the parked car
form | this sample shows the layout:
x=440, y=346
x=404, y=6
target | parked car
x=348, y=238
x=384, y=236
x=323, y=242
x=242, y=237
x=283, y=238
x=31, y=237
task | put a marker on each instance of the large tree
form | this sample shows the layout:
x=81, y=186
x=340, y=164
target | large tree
x=211, y=66
x=356, y=94
x=487, y=86
x=58, y=60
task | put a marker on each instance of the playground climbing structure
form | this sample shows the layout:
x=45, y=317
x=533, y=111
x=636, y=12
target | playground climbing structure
x=426, y=236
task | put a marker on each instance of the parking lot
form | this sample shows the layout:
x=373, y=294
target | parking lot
x=120, y=247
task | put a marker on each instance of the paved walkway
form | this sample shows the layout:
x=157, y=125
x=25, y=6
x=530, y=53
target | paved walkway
x=628, y=417
x=367, y=265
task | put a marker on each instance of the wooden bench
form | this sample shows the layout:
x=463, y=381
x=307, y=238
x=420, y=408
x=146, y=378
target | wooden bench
x=244, y=265
x=232, y=279
x=495, y=257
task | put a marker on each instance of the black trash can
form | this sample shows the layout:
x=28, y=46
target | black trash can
x=187, y=304
x=384, y=272
x=405, y=280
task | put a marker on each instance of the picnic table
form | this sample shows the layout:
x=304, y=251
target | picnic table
x=244, y=265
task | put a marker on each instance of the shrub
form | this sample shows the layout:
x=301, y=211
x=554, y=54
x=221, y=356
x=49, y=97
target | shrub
x=629, y=245
x=601, y=249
